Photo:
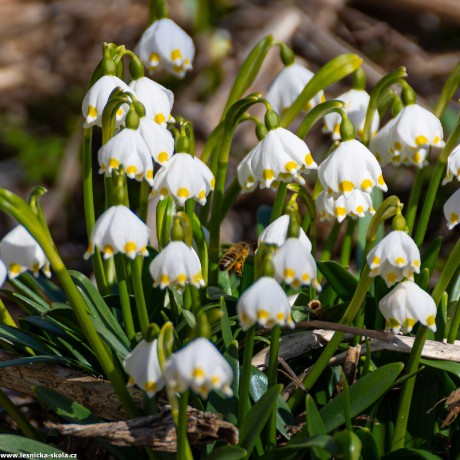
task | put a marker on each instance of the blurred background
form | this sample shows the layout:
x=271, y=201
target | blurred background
x=50, y=49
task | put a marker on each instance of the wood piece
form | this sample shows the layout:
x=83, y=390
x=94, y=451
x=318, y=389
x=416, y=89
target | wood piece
x=156, y=431
x=96, y=394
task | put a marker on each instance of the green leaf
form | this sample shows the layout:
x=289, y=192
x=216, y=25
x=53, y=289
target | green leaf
x=369, y=450
x=331, y=72
x=316, y=114
x=363, y=394
x=449, y=366
x=315, y=425
x=225, y=323
x=45, y=285
x=28, y=305
x=227, y=453
x=343, y=282
x=350, y=444
x=23, y=289
x=410, y=454
x=252, y=425
x=12, y=444
x=45, y=359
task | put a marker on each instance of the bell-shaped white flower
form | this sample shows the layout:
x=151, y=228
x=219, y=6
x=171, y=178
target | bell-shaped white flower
x=407, y=137
x=3, y=273
x=201, y=367
x=395, y=257
x=288, y=84
x=159, y=140
x=356, y=102
x=165, y=45
x=295, y=265
x=128, y=150
x=119, y=230
x=264, y=303
x=406, y=304
x=96, y=98
x=20, y=252
x=175, y=266
x=143, y=367
x=276, y=233
x=452, y=210
x=355, y=205
x=453, y=165
x=349, y=167
x=183, y=176
x=156, y=99
x=279, y=156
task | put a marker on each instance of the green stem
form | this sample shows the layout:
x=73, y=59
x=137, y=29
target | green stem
x=347, y=243
x=23, y=424
x=244, y=403
x=230, y=195
x=272, y=381
x=430, y=196
x=277, y=209
x=414, y=199
x=5, y=316
x=330, y=242
x=183, y=446
x=405, y=398
x=352, y=310
x=144, y=192
x=453, y=332
x=124, y=296
x=141, y=306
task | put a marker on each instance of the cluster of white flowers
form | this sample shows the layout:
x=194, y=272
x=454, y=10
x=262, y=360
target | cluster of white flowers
x=198, y=366
x=452, y=205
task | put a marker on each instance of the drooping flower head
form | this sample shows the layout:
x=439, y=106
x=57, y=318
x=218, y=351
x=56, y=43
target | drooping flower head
x=175, y=266
x=394, y=258
x=406, y=304
x=295, y=265
x=183, y=176
x=201, y=367
x=355, y=206
x=349, y=167
x=159, y=141
x=264, y=303
x=20, y=252
x=288, y=84
x=164, y=45
x=128, y=150
x=276, y=233
x=119, y=230
x=96, y=99
x=452, y=210
x=407, y=137
x=143, y=367
x=453, y=166
x=279, y=156
x=356, y=102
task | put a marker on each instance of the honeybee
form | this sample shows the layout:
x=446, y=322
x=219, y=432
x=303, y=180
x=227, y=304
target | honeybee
x=233, y=260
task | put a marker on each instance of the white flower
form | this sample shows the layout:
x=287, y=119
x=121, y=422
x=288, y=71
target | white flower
x=276, y=233
x=406, y=304
x=407, y=137
x=350, y=166
x=280, y=156
x=453, y=165
x=96, y=98
x=175, y=266
x=356, y=102
x=156, y=99
x=3, y=273
x=20, y=252
x=183, y=177
x=165, y=45
x=143, y=367
x=355, y=205
x=295, y=265
x=129, y=150
x=119, y=230
x=201, y=367
x=452, y=210
x=159, y=140
x=264, y=302
x=394, y=258
x=288, y=84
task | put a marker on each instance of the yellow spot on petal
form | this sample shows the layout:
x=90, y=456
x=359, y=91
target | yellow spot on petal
x=215, y=380
x=182, y=278
x=197, y=278
x=212, y=182
x=159, y=118
x=346, y=186
x=202, y=195
x=391, y=277
x=131, y=170
x=336, y=129
x=421, y=140
x=154, y=59
x=409, y=323
x=244, y=317
x=186, y=62
x=416, y=263
x=114, y=163
x=268, y=174
x=397, y=146
x=164, y=279
x=162, y=157
x=366, y=184
x=290, y=165
x=131, y=380
x=130, y=246
x=289, y=273
x=309, y=159
x=263, y=314
x=183, y=192
x=359, y=209
x=340, y=211
x=323, y=98
x=392, y=322
x=380, y=180
x=92, y=112
x=149, y=174
x=15, y=269
x=416, y=157
x=400, y=261
x=280, y=316
x=119, y=112
x=150, y=386
x=376, y=261
x=436, y=140
x=306, y=277
x=164, y=191
x=108, y=249
x=176, y=54
x=360, y=133
x=430, y=320
x=308, y=106
x=454, y=217
x=198, y=373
